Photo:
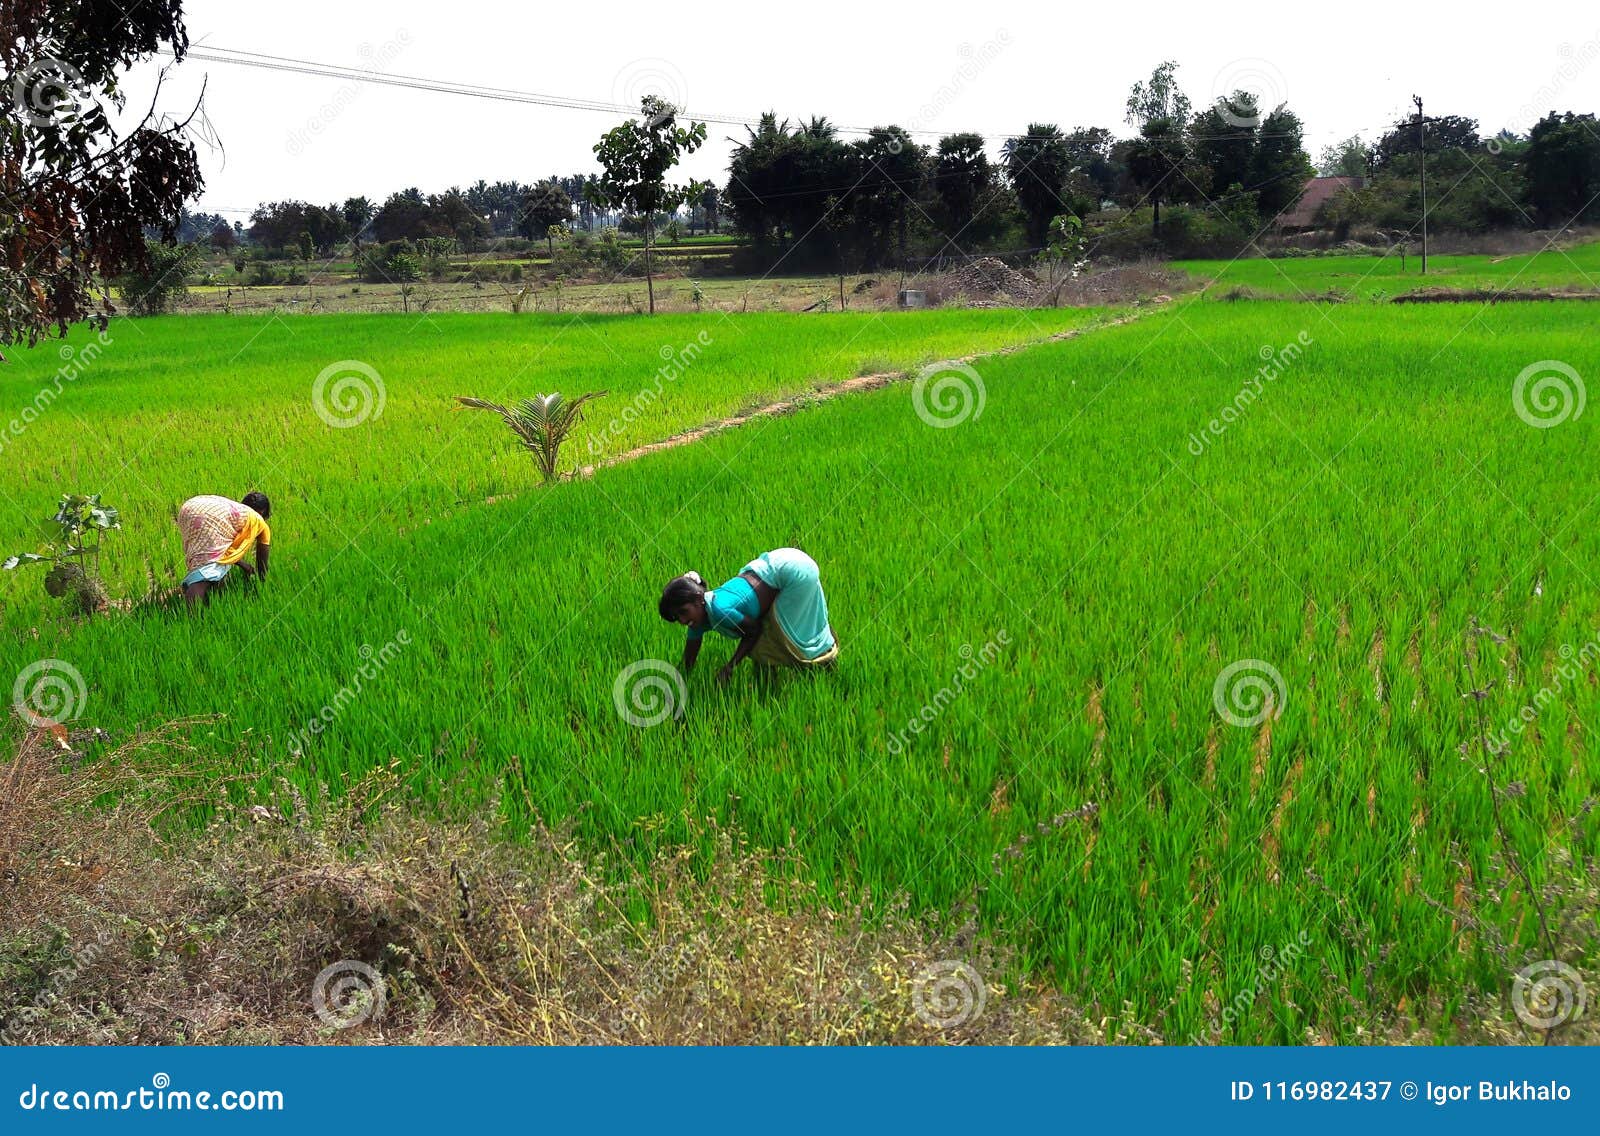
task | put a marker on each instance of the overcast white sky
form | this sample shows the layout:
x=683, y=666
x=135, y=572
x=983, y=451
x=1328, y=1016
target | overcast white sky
x=1345, y=68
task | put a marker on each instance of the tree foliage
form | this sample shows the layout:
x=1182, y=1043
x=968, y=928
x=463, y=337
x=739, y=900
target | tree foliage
x=75, y=196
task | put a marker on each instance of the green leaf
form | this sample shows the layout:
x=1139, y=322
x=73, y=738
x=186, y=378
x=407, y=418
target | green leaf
x=21, y=559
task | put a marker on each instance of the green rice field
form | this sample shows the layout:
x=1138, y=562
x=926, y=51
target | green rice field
x=1152, y=638
x=1382, y=277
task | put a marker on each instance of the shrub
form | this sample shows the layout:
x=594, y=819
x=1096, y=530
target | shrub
x=159, y=288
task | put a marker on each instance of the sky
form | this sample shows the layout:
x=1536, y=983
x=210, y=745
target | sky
x=991, y=68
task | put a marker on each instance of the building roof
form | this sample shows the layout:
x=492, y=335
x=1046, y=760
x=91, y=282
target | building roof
x=1317, y=193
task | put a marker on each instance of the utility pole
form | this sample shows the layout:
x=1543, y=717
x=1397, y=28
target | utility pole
x=1422, y=173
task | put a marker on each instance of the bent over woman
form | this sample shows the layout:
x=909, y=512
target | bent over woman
x=774, y=607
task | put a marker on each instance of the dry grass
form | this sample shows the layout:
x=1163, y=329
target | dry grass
x=111, y=934
x=121, y=924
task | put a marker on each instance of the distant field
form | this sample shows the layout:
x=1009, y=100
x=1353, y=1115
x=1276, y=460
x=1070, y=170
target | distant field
x=1067, y=593
x=1381, y=277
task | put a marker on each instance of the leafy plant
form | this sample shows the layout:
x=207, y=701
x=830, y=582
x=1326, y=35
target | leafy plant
x=75, y=560
x=541, y=424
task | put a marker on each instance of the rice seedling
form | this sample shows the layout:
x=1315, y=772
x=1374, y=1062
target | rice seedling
x=1209, y=573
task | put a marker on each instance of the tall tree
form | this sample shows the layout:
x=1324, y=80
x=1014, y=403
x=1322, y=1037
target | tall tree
x=546, y=205
x=963, y=183
x=1562, y=167
x=1345, y=158
x=1280, y=166
x=636, y=157
x=1158, y=98
x=1443, y=132
x=1224, y=140
x=1037, y=166
x=892, y=171
x=1159, y=160
x=357, y=212
x=75, y=196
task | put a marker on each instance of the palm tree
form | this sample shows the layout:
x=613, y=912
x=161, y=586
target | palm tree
x=541, y=424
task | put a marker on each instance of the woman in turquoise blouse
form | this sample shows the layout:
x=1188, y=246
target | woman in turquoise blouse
x=774, y=607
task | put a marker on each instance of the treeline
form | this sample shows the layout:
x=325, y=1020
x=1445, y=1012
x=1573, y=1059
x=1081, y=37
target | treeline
x=1183, y=182
x=470, y=217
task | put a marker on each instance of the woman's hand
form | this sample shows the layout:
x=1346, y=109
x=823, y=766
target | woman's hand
x=724, y=675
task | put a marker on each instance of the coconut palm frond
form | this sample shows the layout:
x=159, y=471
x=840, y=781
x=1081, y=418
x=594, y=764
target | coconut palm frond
x=541, y=424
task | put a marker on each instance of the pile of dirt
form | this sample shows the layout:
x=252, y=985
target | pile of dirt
x=986, y=279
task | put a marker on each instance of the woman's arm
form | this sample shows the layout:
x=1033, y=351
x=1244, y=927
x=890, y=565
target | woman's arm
x=691, y=652
x=749, y=632
x=263, y=551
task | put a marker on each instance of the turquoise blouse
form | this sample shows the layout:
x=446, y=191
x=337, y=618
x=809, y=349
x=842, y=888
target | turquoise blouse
x=727, y=607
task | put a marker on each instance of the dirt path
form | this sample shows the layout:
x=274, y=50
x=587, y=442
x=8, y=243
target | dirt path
x=833, y=390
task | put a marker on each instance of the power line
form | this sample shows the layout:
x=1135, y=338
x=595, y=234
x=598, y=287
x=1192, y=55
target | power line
x=264, y=61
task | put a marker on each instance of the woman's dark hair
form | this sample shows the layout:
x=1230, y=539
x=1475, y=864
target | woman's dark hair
x=258, y=502
x=680, y=590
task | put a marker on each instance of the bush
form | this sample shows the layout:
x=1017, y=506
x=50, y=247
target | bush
x=394, y=262
x=165, y=282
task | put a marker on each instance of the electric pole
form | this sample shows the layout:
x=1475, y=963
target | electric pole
x=1422, y=173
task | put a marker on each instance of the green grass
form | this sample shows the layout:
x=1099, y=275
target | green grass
x=1092, y=567
x=1380, y=277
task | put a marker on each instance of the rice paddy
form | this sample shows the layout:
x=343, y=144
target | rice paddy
x=1371, y=277
x=1151, y=650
